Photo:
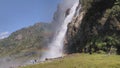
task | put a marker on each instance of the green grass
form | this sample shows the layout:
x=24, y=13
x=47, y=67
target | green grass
x=82, y=61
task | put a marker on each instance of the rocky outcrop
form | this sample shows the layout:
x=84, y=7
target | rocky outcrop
x=60, y=13
x=94, y=21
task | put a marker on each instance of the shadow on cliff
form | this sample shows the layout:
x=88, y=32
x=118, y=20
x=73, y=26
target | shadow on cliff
x=88, y=27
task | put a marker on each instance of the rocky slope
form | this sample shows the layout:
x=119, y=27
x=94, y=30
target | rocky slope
x=96, y=26
x=26, y=41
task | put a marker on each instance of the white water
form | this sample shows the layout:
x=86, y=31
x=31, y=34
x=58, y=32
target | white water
x=56, y=47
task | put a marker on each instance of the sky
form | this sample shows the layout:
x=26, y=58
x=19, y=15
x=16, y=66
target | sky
x=16, y=14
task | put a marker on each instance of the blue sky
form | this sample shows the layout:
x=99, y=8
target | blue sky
x=16, y=14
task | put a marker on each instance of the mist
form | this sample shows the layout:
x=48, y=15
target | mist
x=62, y=17
x=55, y=48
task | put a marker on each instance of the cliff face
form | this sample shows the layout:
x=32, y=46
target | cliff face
x=59, y=15
x=95, y=26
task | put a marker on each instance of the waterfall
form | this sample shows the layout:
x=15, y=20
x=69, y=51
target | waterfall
x=56, y=46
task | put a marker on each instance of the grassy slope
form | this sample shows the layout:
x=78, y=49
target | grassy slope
x=82, y=61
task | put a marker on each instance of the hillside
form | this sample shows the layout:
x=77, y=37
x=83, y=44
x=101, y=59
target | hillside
x=81, y=26
x=81, y=61
x=95, y=28
x=26, y=41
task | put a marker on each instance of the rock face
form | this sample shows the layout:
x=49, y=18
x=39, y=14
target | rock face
x=93, y=20
x=63, y=16
x=59, y=15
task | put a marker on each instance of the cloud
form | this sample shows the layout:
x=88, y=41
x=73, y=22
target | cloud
x=4, y=35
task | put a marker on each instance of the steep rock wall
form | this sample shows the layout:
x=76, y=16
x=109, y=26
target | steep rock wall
x=95, y=19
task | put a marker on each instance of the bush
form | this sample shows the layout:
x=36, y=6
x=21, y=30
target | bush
x=101, y=52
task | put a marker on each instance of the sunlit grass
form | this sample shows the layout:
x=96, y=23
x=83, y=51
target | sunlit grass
x=82, y=61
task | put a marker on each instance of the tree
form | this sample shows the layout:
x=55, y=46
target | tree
x=111, y=41
x=116, y=8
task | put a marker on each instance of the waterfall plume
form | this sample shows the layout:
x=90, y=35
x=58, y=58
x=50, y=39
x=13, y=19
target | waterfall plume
x=55, y=48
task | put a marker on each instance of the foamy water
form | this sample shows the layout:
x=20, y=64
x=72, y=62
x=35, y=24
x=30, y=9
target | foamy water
x=55, y=48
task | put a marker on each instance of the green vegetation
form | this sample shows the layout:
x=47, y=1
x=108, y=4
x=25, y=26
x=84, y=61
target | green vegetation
x=116, y=8
x=26, y=41
x=106, y=44
x=99, y=29
x=82, y=61
x=109, y=40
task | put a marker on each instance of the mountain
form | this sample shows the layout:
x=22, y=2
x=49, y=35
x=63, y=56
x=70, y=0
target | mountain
x=95, y=27
x=27, y=41
x=28, y=44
